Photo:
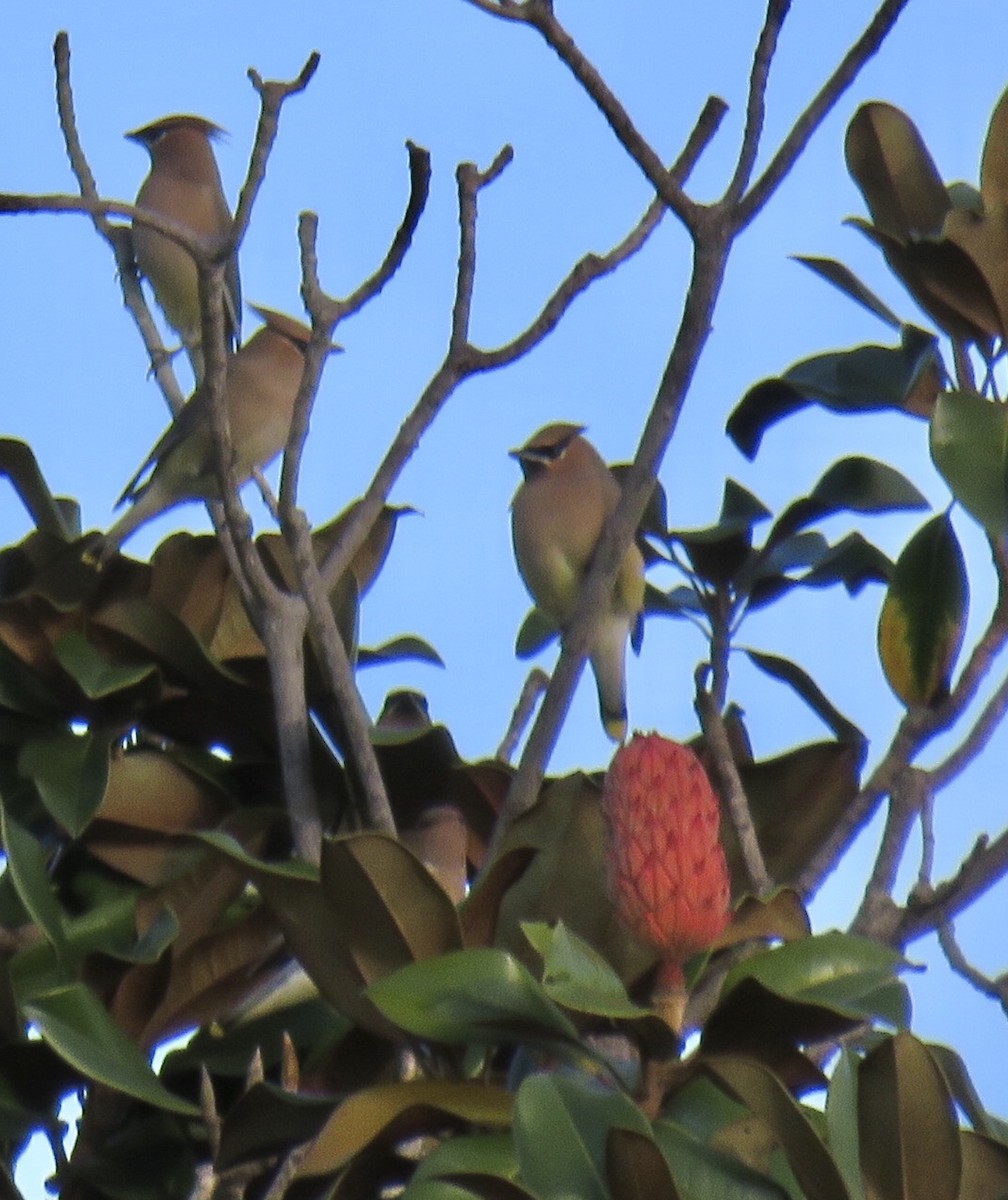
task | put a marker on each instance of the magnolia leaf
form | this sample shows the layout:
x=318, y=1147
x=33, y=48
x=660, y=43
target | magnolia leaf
x=71, y=773
x=409, y=1109
x=865, y=379
x=890, y=163
x=636, y=1168
x=994, y=162
x=483, y=995
x=834, y=968
x=842, y=1121
x=74, y=1023
x=969, y=446
x=767, y=1097
x=909, y=1141
x=92, y=672
x=843, y=277
x=804, y=685
x=27, y=865
x=577, y=977
x=923, y=616
x=561, y=1128
x=536, y=632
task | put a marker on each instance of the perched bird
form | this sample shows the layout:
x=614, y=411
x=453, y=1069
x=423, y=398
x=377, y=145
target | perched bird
x=260, y=388
x=557, y=516
x=184, y=185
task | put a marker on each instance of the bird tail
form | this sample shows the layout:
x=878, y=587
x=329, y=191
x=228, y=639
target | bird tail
x=608, y=660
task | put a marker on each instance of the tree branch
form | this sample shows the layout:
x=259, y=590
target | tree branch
x=777, y=11
x=809, y=121
x=718, y=754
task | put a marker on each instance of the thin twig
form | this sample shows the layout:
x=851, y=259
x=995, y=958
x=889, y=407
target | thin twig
x=984, y=866
x=813, y=116
x=542, y=17
x=766, y=47
x=534, y=686
x=119, y=238
x=995, y=989
x=718, y=755
x=878, y=913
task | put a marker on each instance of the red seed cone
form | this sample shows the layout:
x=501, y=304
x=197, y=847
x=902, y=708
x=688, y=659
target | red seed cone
x=667, y=872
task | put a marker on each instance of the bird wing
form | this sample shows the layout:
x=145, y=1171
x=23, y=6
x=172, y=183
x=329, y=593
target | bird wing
x=186, y=420
x=233, y=300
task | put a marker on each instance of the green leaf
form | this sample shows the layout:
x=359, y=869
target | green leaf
x=943, y=279
x=576, y=976
x=73, y=1022
x=843, y=277
x=984, y=1167
x=908, y=1136
x=767, y=1097
x=536, y=632
x=890, y=163
x=408, y=647
x=414, y=1107
x=373, y=908
x=636, y=1168
x=471, y=1154
x=835, y=969
x=805, y=686
x=701, y=1170
x=27, y=865
x=965, y=1094
x=994, y=161
x=842, y=1121
x=923, y=617
x=865, y=379
x=864, y=485
x=969, y=446
x=483, y=995
x=91, y=671
x=561, y=1125
x=71, y=773
x=852, y=562
x=719, y=552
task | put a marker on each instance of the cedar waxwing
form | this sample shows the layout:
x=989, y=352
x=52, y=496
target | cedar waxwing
x=557, y=516
x=185, y=185
x=260, y=388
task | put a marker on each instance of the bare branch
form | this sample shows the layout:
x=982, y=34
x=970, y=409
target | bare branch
x=420, y=174
x=718, y=755
x=470, y=181
x=533, y=688
x=118, y=237
x=986, y=725
x=507, y=10
x=985, y=865
x=995, y=989
x=809, y=121
x=878, y=913
x=542, y=17
x=339, y=674
x=777, y=11
x=272, y=95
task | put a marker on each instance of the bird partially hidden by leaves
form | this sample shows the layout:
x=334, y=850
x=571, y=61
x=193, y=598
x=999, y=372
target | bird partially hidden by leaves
x=557, y=517
x=260, y=388
x=184, y=185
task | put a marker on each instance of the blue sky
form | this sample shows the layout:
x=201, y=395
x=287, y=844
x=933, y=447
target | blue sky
x=442, y=74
